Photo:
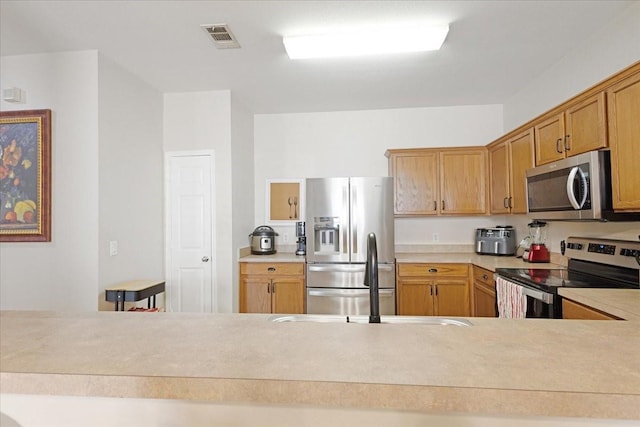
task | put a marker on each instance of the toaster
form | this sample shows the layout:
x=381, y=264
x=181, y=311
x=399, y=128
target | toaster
x=500, y=240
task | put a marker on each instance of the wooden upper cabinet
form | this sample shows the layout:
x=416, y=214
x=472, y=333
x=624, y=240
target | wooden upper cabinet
x=549, y=137
x=508, y=161
x=445, y=181
x=579, y=128
x=463, y=182
x=586, y=126
x=521, y=158
x=499, y=177
x=624, y=138
x=416, y=182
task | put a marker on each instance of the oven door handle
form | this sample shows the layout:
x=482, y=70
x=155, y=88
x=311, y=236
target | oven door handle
x=545, y=297
x=572, y=196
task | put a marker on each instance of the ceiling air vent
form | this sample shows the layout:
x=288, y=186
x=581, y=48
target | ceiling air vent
x=222, y=36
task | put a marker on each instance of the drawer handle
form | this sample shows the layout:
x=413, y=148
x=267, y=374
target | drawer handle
x=271, y=269
x=433, y=270
x=485, y=277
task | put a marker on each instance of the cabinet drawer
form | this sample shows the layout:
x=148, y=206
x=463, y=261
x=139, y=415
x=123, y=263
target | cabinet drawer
x=483, y=276
x=433, y=270
x=277, y=268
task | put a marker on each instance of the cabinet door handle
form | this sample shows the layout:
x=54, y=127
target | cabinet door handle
x=436, y=286
x=269, y=287
x=510, y=199
x=271, y=269
x=435, y=205
x=559, y=145
x=567, y=147
x=443, y=205
x=430, y=290
x=273, y=287
x=433, y=270
x=505, y=202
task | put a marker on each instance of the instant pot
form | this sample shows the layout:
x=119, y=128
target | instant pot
x=263, y=240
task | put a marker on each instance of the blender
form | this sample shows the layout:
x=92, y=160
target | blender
x=537, y=250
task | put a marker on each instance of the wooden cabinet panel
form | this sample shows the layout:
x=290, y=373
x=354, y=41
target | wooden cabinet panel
x=288, y=296
x=432, y=270
x=624, y=139
x=484, y=293
x=585, y=126
x=256, y=296
x=499, y=178
x=439, y=181
x=574, y=310
x=579, y=128
x=416, y=183
x=415, y=297
x=272, y=287
x=549, y=139
x=433, y=289
x=521, y=158
x=451, y=297
x=463, y=182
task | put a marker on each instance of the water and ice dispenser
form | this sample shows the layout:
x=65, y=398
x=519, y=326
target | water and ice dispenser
x=326, y=234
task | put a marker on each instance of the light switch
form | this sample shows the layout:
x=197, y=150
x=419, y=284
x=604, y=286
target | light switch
x=113, y=248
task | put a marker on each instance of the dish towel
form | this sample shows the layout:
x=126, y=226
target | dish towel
x=512, y=302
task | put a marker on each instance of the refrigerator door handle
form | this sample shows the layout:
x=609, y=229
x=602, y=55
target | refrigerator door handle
x=345, y=215
x=320, y=292
x=348, y=268
x=353, y=218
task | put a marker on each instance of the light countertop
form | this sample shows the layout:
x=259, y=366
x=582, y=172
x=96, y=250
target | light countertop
x=488, y=262
x=622, y=303
x=527, y=367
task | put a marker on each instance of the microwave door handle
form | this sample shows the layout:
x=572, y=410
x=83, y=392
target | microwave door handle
x=572, y=197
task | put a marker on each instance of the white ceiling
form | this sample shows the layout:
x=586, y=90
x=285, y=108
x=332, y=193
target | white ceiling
x=493, y=49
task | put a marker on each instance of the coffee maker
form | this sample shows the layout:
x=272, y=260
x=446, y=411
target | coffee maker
x=537, y=250
x=302, y=239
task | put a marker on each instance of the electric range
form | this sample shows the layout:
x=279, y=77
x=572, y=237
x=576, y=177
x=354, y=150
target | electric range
x=593, y=263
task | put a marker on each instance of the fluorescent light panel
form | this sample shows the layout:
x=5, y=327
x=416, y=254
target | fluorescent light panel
x=374, y=42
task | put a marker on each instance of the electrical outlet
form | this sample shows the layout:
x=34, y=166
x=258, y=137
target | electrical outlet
x=285, y=237
x=436, y=237
x=113, y=248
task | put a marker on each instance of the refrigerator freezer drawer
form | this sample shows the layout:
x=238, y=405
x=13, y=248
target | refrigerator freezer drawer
x=347, y=276
x=350, y=302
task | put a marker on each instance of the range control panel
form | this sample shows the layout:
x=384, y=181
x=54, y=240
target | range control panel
x=623, y=253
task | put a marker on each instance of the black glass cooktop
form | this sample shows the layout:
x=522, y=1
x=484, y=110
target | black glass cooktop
x=551, y=280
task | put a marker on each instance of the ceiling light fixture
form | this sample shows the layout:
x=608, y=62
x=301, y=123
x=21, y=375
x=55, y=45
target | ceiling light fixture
x=374, y=42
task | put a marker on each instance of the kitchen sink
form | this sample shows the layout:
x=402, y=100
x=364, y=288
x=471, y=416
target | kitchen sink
x=329, y=318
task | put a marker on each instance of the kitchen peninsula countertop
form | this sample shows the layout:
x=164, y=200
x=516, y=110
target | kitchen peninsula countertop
x=489, y=262
x=497, y=366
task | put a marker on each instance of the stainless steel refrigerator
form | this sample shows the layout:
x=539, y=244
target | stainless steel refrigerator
x=340, y=213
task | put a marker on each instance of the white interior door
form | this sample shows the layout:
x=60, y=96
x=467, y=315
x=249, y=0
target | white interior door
x=190, y=232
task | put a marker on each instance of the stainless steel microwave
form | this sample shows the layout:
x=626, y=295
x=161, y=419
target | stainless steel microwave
x=576, y=188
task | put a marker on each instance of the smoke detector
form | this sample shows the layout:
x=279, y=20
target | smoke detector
x=222, y=36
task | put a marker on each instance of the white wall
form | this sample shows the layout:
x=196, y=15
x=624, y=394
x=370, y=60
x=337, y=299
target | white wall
x=106, y=182
x=242, y=194
x=614, y=47
x=61, y=274
x=353, y=143
x=202, y=121
x=130, y=187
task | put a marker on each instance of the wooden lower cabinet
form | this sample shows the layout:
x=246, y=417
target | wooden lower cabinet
x=433, y=289
x=272, y=288
x=575, y=310
x=483, y=293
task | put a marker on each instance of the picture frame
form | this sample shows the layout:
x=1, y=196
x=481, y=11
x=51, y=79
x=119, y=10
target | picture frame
x=284, y=201
x=25, y=176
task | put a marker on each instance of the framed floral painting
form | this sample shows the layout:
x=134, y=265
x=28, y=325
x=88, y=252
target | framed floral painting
x=25, y=176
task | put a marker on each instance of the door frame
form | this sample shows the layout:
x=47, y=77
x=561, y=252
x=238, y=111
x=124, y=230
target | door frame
x=168, y=155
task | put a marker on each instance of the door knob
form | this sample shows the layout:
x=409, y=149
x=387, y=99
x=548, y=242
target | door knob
x=205, y=259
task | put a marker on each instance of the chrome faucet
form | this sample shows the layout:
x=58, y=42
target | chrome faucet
x=371, y=278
